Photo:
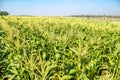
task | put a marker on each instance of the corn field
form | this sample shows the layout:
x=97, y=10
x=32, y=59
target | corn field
x=59, y=48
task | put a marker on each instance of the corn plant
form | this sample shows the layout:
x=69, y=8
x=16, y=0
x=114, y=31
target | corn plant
x=59, y=48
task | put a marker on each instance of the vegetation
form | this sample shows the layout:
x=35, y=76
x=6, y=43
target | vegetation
x=4, y=13
x=96, y=16
x=58, y=48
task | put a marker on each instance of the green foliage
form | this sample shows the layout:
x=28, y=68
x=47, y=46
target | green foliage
x=4, y=13
x=58, y=48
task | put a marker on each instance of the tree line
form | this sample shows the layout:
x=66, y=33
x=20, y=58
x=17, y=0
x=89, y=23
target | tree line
x=95, y=16
x=4, y=13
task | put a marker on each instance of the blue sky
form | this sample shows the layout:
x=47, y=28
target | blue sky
x=61, y=7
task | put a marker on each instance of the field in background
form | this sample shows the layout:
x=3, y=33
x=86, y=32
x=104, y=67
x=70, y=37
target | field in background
x=117, y=20
x=99, y=17
x=59, y=48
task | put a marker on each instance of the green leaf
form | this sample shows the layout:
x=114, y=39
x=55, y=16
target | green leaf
x=66, y=77
x=72, y=71
x=12, y=77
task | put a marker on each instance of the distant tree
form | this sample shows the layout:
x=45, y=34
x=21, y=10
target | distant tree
x=4, y=13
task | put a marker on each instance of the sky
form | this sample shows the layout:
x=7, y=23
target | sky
x=60, y=7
